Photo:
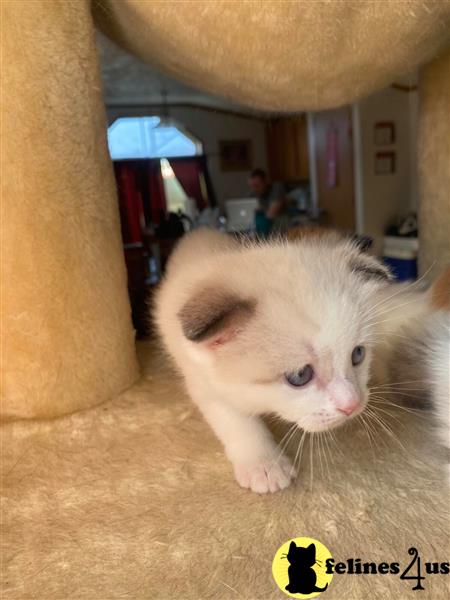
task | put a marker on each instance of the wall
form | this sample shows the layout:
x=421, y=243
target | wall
x=210, y=126
x=382, y=197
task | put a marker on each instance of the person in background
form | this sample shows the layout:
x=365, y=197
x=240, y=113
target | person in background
x=271, y=213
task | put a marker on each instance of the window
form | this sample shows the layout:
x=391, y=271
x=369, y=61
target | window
x=176, y=197
x=150, y=137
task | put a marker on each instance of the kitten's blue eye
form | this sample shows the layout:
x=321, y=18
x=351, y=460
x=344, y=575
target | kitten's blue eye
x=300, y=378
x=358, y=354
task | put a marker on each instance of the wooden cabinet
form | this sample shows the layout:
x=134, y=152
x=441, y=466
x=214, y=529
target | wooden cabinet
x=287, y=148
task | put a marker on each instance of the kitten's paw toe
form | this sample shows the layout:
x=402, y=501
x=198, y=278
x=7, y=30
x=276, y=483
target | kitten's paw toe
x=265, y=475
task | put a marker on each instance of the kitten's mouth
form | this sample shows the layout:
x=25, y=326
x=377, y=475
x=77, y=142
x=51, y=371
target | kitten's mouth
x=327, y=422
x=325, y=426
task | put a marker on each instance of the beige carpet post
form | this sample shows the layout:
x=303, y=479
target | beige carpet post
x=434, y=166
x=283, y=56
x=67, y=338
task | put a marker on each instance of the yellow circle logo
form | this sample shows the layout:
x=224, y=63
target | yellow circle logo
x=299, y=568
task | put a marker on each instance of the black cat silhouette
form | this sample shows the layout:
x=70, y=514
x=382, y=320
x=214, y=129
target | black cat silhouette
x=302, y=577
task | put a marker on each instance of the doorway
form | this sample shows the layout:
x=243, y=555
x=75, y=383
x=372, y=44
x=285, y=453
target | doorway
x=332, y=130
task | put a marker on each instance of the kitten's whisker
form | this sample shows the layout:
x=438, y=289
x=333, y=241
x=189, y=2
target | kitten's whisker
x=289, y=435
x=376, y=323
x=392, y=394
x=398, y=389
x=386, y=412
x=390, y=383
x=384, y=402
x=374, y=318
x=397, y=395
x=335, y=441
x=402, y=290
x=401, y=392
x=395, y=306
x=329, y=456
x=370, y=422
x=395, y=383
x=399, y=384
x=368, y=433
x=311, y=459
x=299, y=451
x=291, y=429
x=323, y=453
x=375, y=336
x=325, y=458
x=319, y=452
x=386, y=427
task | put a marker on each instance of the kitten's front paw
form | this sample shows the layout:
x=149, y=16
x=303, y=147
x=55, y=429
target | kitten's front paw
x=262, y=476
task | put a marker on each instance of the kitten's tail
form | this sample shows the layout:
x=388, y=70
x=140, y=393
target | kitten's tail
x=317, y=589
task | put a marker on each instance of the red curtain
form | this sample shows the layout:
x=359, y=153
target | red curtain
x=188, y=173
x=141, y=196
x=130, y=204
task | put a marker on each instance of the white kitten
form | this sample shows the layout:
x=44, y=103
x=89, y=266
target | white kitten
x=275, y=327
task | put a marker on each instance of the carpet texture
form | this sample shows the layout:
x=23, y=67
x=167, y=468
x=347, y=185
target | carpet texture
x=135, y=499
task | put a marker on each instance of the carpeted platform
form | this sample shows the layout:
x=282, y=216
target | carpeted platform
x=135, y=499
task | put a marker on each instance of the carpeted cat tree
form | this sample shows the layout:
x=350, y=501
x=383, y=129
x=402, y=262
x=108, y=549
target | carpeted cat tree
x=133, y=498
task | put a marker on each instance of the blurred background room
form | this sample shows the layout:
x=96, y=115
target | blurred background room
x=184, y=158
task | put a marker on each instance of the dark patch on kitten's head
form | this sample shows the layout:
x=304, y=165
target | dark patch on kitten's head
x=370, y=270
x=213, y=311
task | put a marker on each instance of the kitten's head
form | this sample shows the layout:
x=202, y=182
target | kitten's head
x=287, y=329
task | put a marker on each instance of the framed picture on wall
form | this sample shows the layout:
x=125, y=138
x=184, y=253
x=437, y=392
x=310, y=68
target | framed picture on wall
x=384, y=163
x=235, y=155
x=384, y=133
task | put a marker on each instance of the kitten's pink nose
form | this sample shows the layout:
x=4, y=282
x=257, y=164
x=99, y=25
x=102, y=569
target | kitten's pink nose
x=344, y=396
x=349, y=409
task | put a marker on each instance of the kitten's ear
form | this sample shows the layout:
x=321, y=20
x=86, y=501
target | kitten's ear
x=293, y=546
x=215, y=316
x=312, y=550
x=370, y=269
